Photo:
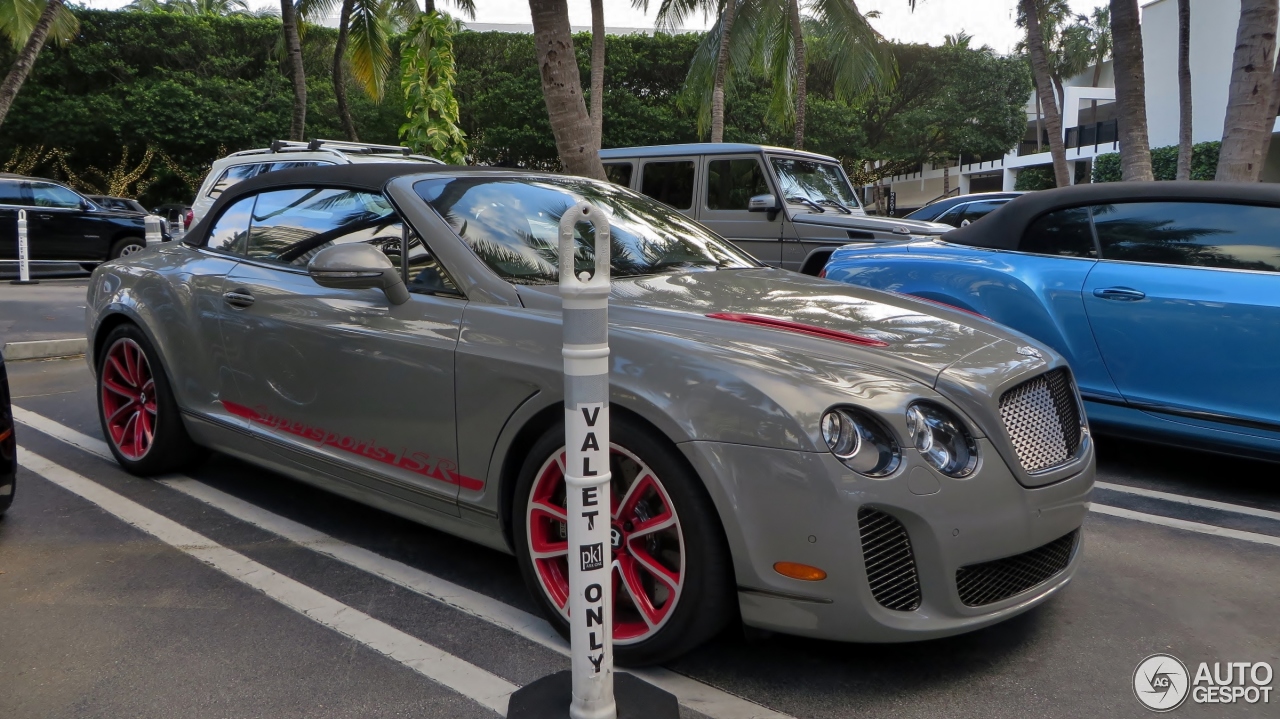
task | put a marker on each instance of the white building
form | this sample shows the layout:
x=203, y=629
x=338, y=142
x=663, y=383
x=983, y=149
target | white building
x=1213, y=35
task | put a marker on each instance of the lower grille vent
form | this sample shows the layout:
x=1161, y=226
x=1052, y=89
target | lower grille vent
x=997, y=580
x=891, y=565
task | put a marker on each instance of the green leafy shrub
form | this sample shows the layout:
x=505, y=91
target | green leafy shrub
x=1164, y=163
x=1039, y=177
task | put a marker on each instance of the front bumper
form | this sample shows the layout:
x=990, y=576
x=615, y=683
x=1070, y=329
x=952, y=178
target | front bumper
x=781, y=505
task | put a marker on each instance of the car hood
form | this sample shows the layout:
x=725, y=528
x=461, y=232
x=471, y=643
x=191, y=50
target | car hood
x=902, y=226
x=921, y=339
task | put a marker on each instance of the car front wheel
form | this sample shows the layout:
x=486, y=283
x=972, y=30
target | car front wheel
x=672, y=579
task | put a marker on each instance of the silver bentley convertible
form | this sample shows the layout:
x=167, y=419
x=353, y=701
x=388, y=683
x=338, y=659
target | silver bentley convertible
x=808, y=456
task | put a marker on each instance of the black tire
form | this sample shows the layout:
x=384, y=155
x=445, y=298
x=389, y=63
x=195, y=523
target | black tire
x=707, y=599
x=170, y=448
x=127, y=246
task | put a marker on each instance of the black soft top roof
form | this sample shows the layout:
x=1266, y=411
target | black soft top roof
x=1003, y=228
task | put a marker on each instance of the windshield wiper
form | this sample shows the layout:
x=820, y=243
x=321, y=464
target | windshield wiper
x=806, y=201
x=836, y=203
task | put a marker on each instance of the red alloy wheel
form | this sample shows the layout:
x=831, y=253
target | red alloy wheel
x=648, y=545
x=129, y=399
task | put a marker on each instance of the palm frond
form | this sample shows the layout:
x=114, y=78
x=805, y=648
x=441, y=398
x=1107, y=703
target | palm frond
x=370, y=48
x=19, y=17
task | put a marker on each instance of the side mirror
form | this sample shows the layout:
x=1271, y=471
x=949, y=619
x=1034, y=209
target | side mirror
x=358, y=267
x=85, y=205
x=763, y=203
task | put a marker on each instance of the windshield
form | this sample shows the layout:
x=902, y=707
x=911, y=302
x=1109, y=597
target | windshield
x=822, y=183
x=513, y=225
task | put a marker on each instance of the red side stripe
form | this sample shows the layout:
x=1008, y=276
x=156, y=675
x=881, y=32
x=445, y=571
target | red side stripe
x=789, y=326
x=444, y=470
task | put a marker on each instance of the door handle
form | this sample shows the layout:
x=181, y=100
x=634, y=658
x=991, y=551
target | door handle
x=1122, y=294
x=46, y=217
x=238, y=298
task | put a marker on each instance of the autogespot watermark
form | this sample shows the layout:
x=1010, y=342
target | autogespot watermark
x=1162, y=683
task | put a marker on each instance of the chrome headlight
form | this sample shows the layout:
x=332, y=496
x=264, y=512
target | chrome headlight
x=942, y=439
x=861, y=442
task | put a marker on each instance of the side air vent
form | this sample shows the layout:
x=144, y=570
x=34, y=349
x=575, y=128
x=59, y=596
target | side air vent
x=891, y=565
x=994, y=581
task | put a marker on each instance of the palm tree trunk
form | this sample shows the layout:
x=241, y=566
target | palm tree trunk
x=562, y=89
x=1184, y=90
x=293, y=46
x=1249, y=94
x=597, y=70
x=1131, y=91
x=1093, y=104
x=429, y=7
x=722, y=71
x=339, y=77
x=1039, y=125
x=1269, y=123
x=1044, y=90
x=27, y=58
x=802, y=73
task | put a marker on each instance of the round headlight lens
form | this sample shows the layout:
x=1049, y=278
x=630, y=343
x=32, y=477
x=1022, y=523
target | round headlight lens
x=942, y=439
x=861, y=442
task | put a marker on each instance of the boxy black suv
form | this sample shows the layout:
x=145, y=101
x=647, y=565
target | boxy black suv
x=63, y=225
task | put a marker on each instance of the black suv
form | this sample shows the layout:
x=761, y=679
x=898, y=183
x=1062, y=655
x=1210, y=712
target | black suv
x=62, y=225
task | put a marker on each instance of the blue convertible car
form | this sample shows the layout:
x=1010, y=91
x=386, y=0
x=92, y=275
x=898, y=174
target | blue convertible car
x=1164, y=296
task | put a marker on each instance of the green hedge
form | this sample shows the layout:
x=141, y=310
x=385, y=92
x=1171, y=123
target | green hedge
x=1164, y=163
x=1040, y=177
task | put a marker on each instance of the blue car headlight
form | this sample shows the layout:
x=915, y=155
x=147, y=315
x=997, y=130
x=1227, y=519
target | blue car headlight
x=861, y=442
x=942, y=439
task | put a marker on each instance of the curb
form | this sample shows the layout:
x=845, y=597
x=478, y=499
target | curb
x=45, y=349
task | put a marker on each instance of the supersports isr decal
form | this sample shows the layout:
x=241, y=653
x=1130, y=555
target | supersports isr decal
x=421, y=463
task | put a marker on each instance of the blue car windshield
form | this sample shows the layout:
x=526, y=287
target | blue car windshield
x=513, y=225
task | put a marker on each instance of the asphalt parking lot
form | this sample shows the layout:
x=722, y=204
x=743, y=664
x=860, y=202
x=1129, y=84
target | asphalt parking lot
x=235, y=592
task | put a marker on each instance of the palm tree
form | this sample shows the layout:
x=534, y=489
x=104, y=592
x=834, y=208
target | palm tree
x=562, y=89
x=1044, y=89
x=1184, y=90
x=1249, y=94
x=1099, y=37
x=852, y=47
x=297, y=74
x=671, y=16
x=1131, y=91
x=364, y=40
x=219, y=8
x=597, y=70
x=15, y=24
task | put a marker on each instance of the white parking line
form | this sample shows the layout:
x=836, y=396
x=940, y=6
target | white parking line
x=1193, y=501
x=461, y=676
x=700, y=697
x=1197, y=527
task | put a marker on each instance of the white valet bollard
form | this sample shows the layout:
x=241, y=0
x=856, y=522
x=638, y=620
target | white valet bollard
x=153, y=234
x=587, y=690
x=24, y=253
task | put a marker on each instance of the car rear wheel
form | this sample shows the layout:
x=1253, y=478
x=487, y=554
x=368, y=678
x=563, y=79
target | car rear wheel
x=139, y=415
x=672, y=578
x=127, y=246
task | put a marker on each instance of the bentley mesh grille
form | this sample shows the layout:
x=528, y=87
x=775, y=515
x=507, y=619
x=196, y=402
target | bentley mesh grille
x=989, y=582
x=1042, y=418
x=891, y=565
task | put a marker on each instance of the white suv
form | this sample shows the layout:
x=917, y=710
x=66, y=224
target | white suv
x=286, y=155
